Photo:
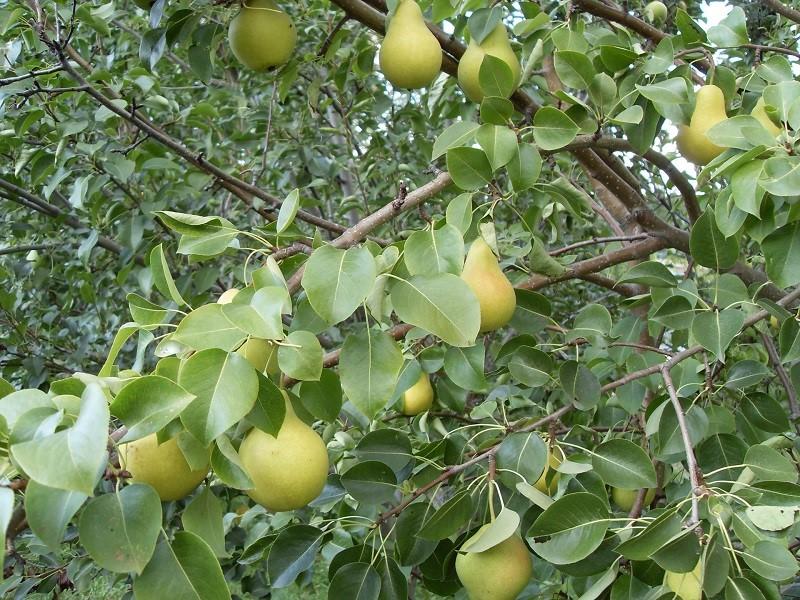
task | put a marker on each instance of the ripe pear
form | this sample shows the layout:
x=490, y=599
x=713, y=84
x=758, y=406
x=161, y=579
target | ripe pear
x=760, y=113
x=499, y=573
x=227, y=296
x=708, y=111
x=554, y=458
x=162, y=466
x=289, y=470
x=686, y=586
x=262, y=35
x=625, y=499
x=483, y=275
x=656, y=12
x=262, y=354
x=469, y=67
x=410, y=55
x=419, y=397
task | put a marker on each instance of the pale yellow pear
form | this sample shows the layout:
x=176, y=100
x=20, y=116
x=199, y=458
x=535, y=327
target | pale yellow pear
x=495, y=44
x=227, y=296
x=483, y=275
x=289, y=470
x=410, y=56
x=686, y=586
x=625, y=498
x=555, y=456
x=262, y=354
x=163, y=466
x=262, y=35
x=692, y=141
x=760, y=113
x=499, y=573
x=419, y=397
x=655, y=12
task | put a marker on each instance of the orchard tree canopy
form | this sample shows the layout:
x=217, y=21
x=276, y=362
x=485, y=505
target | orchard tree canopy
x=391, y=299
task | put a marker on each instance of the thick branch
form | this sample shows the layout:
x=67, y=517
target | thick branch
x=788, y=12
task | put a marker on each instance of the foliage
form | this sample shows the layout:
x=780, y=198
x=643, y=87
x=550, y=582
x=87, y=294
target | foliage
x=655, y=342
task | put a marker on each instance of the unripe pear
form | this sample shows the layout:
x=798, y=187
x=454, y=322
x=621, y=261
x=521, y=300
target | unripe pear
x=625, y=498
x=499, y=573
x=162, y=466
x=469, y=66
x=760, y=113
x=227, y=296
x=419, y=397
x=554, y=458
x=410, y=56
x=262, y=354
x=708, y=111
x=262, y=35
x=494, y=291
x=289, y=470
x=686, y=586
x=655, y=12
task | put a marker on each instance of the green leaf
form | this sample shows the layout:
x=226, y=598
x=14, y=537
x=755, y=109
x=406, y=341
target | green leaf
x=16, y=404
x=657, y=534
x=258, y=312
x=203, y=517
x=162, y=278
x=469, y=167
x=457, y=134
x=632, y=115
x=677, y=312
x=389, y=446
x=651, y=273
x=120, y=530
x=337, y=281
x=458, y=214
x=769, y=465
x=580, y=384
x=145, y=312
x=225, y=386
x=714, y=330
x=731, y=31
x=442, y=304
x=668, y=91
x=575, y=525
x=293, y=552
x=524, y=167
x=593, y=321
x=483, y=21
x=464, y=367
x=500, y=529
x=227, y=465
x=49, y=511
x=623, y=464
x=357, y=581
x=781, y=175
x=553, y=129
x=771, y=560
x=288, y=211
x=498, y=142
x=448, y=518
x=208, y=327
x=745, y=373
x=300, y=356
x=521, y=455
x=709, y=247
x=530, y=366
x=575, y=69
x=765, y=412
x=782, y=253
x=185, y=569
x=495, y=77
x=147, y=404
x=411, y=548
x=432, y=251
x=369, y=366
x=81, y=448
x=370, y=482
x=322, y=398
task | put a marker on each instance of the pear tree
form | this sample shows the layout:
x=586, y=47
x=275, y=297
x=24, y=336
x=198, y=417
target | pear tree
x=387, y=299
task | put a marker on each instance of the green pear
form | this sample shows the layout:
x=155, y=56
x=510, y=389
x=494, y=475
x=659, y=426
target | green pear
x=483, y=275
x=162, y=466
x=760, y=113
x=419, y=397
x=262, y=354
x=625, y=498
x=410, y=56
x=655, y=12
x=554, y=458
x=686, y=586
x=499, y=573
x=289, y=470
x=469, y=67
x=262, y=35
x=709, y=110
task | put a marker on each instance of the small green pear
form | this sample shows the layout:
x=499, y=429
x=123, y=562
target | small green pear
x=555, y=457
x=499, y=573
x=162, y=466
x=262, y=354
x=262, y=35
x=289, y=470
x=469, y=67
x=625, y=498
x=655, y=12
x=686, y=586
x=410, y=56
x=709, y=110
x=760, y=113
x=483, y=275
x=419, y=397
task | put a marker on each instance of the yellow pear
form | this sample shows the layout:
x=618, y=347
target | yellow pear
x=483, y=275
x=410, y=55
x=262, y=35
x=709, y=110
x=760, y=113
x=686, y=586
x=419, y=397
x=262, y=354
x=162, y=466
x=227, y=296
x=499, y=573
x=495, y=44
x=289, y=470
x=624, y=498
x=555, y=456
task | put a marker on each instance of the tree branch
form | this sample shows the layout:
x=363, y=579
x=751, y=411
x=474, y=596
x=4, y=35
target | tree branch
x=788, y=12
x=791, y=393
